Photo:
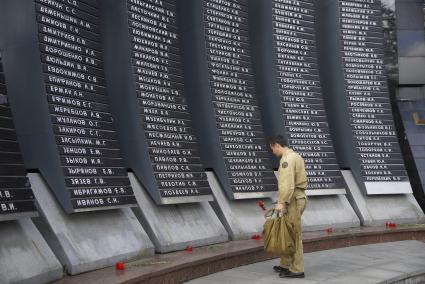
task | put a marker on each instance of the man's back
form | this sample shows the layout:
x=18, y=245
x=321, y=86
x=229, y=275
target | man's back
x=292, y=167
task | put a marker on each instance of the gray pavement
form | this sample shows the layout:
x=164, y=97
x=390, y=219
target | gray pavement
x=377, y=263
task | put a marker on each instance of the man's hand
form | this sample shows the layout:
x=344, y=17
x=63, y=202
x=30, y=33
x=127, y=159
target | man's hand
x=279, y=207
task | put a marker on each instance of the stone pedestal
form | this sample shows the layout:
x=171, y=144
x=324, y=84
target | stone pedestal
x=379, y=209
x=90, y=240
x=25, y=256
x=328, y=208
x=174, y=227
x=242, y=218
x=327, y=211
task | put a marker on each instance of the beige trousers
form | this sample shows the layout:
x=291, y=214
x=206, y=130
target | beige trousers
x=295, y=262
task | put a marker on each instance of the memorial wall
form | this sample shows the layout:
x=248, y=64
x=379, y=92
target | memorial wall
x=71, y=56
x=173, y=148
x=373, y=153
x=367, y=92
x=161, y=147
x=300, y=92
x=168, y=162
x=223, y=97
x=16, y=196
x=234, y=99
x=68, y=134
x=175, y=99
x=287, y=72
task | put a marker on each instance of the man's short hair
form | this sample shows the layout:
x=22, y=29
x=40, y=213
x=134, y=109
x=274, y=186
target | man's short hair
x=278, y=139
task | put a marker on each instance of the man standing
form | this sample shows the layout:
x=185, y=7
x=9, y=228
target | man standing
x=292, y=183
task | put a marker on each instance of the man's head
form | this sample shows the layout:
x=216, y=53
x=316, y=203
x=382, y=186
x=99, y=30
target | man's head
x=278, y=145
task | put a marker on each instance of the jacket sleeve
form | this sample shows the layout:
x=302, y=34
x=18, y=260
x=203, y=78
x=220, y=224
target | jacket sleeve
x=286, y=182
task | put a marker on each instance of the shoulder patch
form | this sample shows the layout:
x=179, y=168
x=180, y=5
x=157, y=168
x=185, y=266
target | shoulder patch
x=284, y=164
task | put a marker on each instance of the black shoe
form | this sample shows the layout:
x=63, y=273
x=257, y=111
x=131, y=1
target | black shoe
x=291, y=274
x=280, y=269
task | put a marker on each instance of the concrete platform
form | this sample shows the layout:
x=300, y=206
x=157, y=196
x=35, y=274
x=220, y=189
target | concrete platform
x=181, y=266
x=25, y=256
x=377, y=263
x=90, y=240
x=327, y=211
x=375, y=210
x=241, y=218
x=174, y=227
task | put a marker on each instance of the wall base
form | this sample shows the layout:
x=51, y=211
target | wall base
x=174, y=227
x=330, y=211
x=378, y=209
x=90, y=240
x=25, y=256
x=242, y=218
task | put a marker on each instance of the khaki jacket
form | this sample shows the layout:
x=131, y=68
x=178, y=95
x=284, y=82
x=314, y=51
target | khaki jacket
x=292, y=176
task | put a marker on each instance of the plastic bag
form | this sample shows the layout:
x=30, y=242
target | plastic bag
x=278, y=234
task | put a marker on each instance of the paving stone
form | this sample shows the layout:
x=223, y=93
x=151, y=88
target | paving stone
x=366, y=264
x=379, y=273
x=351, y=279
